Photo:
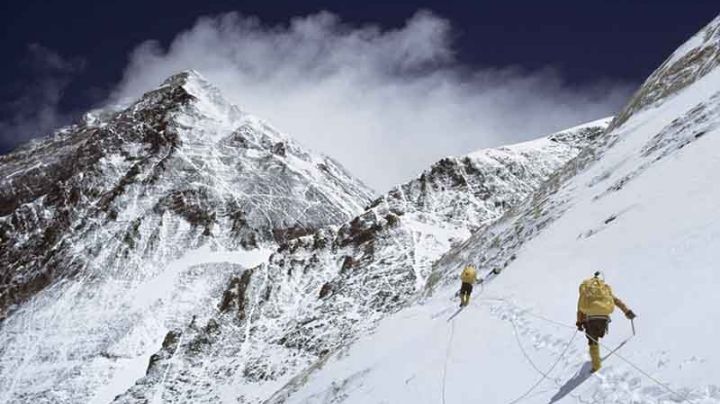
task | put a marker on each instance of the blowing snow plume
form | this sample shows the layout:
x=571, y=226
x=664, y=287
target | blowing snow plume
x=384, y=102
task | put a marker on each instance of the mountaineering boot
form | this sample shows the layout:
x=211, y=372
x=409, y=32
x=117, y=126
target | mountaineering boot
x=595, y=356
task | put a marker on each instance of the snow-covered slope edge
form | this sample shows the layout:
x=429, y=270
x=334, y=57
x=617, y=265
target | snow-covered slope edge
x=320, y=291
x=120, y=228
x=697, y=57
x=642, y=207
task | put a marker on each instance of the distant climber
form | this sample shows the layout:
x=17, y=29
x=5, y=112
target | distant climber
x=468, y=276
x=595, y=304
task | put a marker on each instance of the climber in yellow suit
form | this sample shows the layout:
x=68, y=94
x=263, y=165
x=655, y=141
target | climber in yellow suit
x=468, y=277
x=595, y=304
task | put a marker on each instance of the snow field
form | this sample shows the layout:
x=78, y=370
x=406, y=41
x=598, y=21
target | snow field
x=655, y=238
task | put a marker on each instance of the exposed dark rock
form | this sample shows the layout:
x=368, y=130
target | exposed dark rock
x=234, y=295
x=348, y=262
x=70, y=173
x=280, y=149
x=391, y=219
x=169, y=346
x=192, y=204
x=359, y=230
x=283, y=235
x=325, y=290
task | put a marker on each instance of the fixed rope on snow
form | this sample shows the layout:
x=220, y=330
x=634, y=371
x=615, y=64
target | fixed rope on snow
x=614, y=351
x=447, y=357
x=545, y=375
x=664, y=385
x=611, y=351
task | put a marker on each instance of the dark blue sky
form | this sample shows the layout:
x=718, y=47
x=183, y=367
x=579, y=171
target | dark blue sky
x=585, y=40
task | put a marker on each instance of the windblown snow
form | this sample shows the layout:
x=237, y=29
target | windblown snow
x=642, y=208
x=132, y=224
x=178, y=249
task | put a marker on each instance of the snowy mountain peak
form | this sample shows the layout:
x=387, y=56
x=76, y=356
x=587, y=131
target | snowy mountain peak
x=136, y=219
x=333, y=285
x=182, y=78
x=178, y=249
x=207, y=98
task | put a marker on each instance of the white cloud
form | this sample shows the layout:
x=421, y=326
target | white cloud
x=386, y=103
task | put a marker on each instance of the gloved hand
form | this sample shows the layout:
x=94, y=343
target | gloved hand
x=630, y=315
x=580, y=326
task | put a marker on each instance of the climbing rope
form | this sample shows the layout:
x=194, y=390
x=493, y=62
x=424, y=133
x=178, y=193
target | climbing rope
x=447, y=356
x=613, y=351
x=545, y=375
x=683, y=397
x=658, y=382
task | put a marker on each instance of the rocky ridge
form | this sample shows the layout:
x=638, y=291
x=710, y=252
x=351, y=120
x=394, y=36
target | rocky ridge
x=319, y=292
x=136, y=217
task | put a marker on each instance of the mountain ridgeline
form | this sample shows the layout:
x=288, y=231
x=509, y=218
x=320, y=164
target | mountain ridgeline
x=318, y=292
x=180, y=151
x=110, y=204
x=640, y=204
x=178, y=249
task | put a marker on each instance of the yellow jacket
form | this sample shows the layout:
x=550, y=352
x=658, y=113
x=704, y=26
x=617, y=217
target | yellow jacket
x=468, y=275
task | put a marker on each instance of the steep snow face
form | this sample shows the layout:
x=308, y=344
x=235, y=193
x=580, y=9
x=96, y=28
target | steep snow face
x=319, y=292
x=118, y=229
x=697, y=57
x=642, y=207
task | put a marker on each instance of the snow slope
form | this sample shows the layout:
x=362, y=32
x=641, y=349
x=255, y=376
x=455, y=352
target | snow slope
x=319, y=292
x=642, y=206
x=119, y=229
x=179, y=250
x=691, y=61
